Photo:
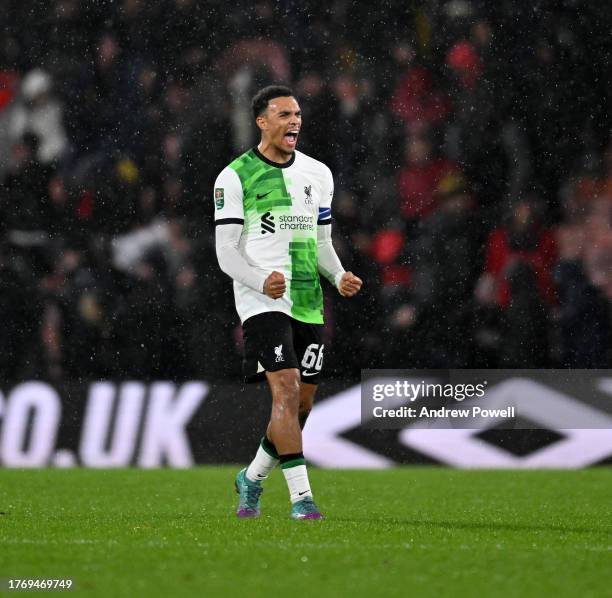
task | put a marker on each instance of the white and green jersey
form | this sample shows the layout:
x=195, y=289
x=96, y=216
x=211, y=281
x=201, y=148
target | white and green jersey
x=280, y=207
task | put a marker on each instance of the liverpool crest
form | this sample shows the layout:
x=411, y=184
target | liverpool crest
x=308, y=192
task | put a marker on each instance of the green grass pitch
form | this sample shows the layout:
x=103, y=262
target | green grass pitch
x=406, y=532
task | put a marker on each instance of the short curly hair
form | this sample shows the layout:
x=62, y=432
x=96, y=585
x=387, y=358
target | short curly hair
x=260, y=100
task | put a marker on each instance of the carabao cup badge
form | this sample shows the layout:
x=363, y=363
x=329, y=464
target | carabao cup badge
x=219, y=198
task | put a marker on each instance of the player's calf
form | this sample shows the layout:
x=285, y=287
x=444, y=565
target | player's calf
x=284, y=428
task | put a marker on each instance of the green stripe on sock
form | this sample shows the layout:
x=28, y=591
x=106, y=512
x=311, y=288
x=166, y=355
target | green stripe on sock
x=293, y=463
x=267, y=446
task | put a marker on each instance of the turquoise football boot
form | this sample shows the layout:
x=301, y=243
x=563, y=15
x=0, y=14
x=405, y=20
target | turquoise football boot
x=249, y=493
x=305, y=509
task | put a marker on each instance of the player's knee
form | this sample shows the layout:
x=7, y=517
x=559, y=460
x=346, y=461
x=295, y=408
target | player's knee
x=289, y=381
x=287, y=388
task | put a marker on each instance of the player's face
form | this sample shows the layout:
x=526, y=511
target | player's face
x=280, y=123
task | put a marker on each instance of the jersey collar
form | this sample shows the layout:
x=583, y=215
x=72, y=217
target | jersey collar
x=271, y=163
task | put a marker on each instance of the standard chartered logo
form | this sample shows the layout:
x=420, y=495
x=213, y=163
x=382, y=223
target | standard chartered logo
x=296, y=222
x=267, y=223
x=286, y=222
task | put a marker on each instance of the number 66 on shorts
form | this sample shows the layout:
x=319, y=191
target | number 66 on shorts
x=313, y=358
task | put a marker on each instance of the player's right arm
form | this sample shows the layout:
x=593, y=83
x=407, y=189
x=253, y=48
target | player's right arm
x=229, y=222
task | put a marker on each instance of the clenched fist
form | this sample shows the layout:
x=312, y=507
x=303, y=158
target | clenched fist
x=274, y=285
x=349, y=284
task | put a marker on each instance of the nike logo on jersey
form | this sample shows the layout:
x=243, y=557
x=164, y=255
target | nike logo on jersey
x=262, y=195
x=309, y=373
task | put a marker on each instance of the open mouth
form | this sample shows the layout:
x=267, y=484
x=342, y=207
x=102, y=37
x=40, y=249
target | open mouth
x=290, y=137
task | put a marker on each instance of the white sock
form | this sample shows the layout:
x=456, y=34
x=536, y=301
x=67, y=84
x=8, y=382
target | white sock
x=260, y=466
x=297, y=481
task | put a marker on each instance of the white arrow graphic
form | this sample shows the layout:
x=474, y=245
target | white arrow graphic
x=554, y=410
x=330, y=418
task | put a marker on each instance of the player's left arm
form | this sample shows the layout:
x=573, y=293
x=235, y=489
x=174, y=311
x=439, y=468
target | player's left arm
x=328, y=261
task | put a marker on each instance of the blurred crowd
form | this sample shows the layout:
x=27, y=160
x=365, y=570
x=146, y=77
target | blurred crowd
x=470, y=143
